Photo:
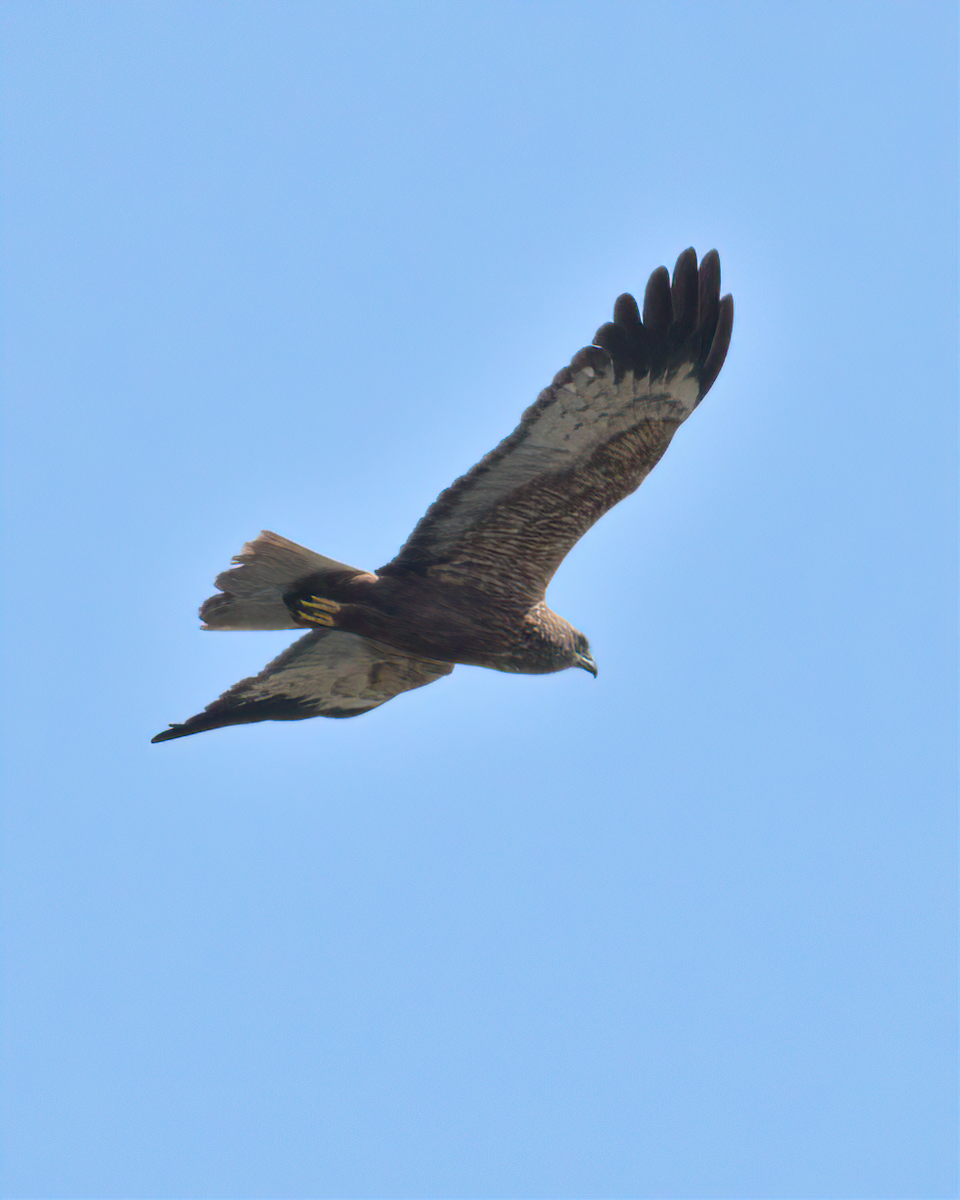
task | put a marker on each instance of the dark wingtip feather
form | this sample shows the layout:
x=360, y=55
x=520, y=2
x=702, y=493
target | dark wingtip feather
x=683, y=322
x=174, y=731
x=201, y=723
x=594, y=357
x=625, y=312
x=684, y=292
x=620, y=345
x=709, y=292
x=657, y=303
x=718, y=347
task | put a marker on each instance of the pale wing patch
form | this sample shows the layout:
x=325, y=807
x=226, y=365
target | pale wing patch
x=325, y=670
x=592, y=408
x=582, y=415
x=588, y=440
x=325, y=674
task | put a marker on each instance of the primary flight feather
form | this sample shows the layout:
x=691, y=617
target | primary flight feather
x=469, y=584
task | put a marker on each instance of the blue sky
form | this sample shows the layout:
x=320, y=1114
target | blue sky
x=687, y=930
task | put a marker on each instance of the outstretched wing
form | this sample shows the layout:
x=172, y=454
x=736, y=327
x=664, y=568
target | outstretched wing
x=324, y=674
x=588, y=441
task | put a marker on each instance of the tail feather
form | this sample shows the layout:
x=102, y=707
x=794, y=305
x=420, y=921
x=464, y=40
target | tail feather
x=251, y=594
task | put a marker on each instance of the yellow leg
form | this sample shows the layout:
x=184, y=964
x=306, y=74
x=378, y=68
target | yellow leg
x=325, y=611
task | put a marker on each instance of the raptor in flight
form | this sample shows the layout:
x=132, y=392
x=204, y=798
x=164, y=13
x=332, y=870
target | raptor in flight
x=469, y=585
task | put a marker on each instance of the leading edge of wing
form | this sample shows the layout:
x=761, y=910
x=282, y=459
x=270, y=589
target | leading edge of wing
x=326, y=673
x=681, y=339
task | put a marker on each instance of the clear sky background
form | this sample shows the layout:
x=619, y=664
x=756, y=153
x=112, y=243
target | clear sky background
x=686, y=930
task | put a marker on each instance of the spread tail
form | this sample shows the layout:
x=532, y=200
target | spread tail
x=251, y=594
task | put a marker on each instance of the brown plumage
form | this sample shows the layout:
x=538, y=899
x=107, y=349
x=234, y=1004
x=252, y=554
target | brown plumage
x=469, y=584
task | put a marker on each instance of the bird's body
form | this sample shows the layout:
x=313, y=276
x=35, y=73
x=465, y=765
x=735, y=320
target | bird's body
x=469, y=584
x=443, y=620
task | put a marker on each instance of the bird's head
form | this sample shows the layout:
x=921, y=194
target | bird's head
x=581, y=654
x=551, y=643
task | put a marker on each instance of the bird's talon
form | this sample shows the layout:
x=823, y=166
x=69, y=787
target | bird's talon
x=325, y=614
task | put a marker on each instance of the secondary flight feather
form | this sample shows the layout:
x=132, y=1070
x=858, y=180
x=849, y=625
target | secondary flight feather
x=469, y=584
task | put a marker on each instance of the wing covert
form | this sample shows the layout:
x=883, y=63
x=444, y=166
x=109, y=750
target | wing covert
x=587, y=442
x=326, y=673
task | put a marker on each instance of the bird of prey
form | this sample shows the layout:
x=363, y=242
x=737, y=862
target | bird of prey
x=469, y=584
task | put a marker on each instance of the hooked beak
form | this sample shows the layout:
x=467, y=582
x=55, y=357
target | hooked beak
x=585, y=661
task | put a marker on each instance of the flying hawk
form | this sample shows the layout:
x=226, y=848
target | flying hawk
x=469, y=584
